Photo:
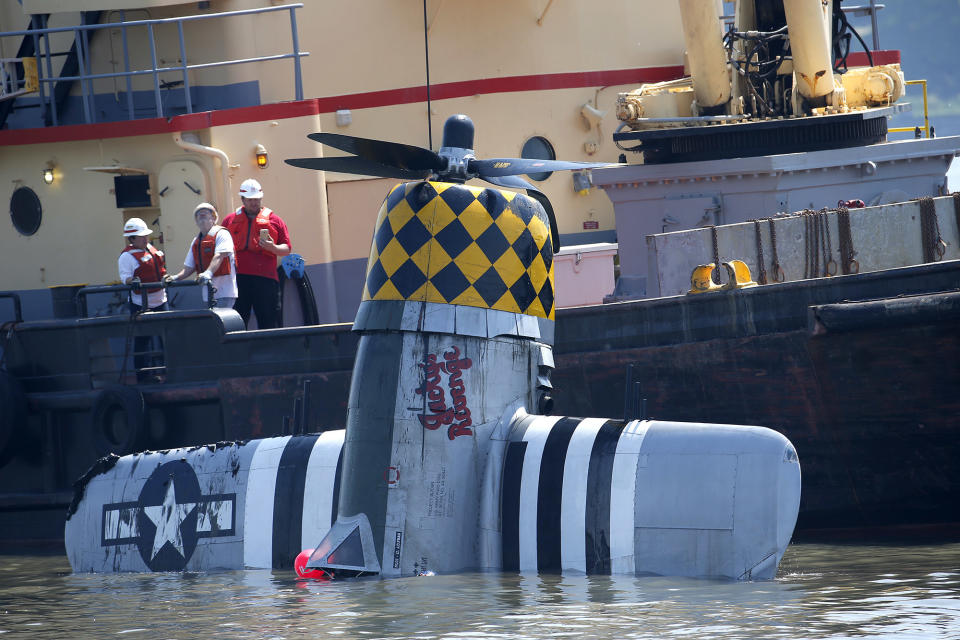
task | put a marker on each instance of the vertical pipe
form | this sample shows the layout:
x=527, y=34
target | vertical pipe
x=297, y=73
x=808, y=26
x=53, y=92
x=86, y=66
x=36, y=52
x=926, y=113
x=82, y=66
x=183, y=63
x=426, y=54
x=875, y=30
x=126, y=68
x=156, y=76
x=703, y=39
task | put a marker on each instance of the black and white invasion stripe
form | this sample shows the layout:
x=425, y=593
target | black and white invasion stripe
x=567, y=499
x=291, y=497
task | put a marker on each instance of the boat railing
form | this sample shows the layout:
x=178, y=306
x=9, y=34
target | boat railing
x=81, y=42
x=926, y=114
x=141, y=289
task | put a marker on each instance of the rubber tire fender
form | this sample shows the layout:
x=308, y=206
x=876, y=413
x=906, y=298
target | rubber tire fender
x=129, y=401
x=13, y=414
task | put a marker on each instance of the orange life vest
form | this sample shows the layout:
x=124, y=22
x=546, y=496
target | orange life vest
x=245, y=234
x=151, y=267
x=204, y=250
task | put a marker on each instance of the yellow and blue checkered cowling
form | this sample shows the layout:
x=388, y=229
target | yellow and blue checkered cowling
x=462, y=245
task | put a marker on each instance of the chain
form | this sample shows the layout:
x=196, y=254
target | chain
x=778, y=275
x=812, y=242
x=762, y=277
x=847, y=262
x=829, y=265
x=933, y=245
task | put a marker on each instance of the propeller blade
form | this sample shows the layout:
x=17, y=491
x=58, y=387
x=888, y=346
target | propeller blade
x=392, y=154
x=358, y=166
x=513, y=182
x=510, y=182
x=517, y=166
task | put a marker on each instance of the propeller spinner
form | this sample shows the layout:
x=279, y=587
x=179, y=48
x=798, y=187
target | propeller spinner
x=455, y=162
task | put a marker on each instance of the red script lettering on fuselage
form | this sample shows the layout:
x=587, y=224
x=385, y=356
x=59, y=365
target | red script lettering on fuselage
x=457, y=416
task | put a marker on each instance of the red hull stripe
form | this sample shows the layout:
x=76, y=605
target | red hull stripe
x=281, y=110
x=373, y=99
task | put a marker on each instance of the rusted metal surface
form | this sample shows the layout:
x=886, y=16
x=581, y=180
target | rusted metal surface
x=254, y=407
x=872, y=412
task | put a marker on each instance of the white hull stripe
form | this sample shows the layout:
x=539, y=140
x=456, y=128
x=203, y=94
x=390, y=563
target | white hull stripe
x=258, y=508
x=288, y=501
x=536, y=438
x=573, y=510
x=319, y=508
x=623, y=488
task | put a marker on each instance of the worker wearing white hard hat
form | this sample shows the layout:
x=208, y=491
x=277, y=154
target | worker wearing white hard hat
x=260, y=236
x=143, y=263
x=211, y=256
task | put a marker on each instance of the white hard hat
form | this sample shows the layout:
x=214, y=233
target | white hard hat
x=206, y=206
x=136, y=227
x=251, y=189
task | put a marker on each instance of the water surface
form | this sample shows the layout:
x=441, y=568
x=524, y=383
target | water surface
x=822, y=591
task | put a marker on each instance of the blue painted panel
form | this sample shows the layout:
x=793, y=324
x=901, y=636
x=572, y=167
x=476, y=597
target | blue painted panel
x=113, y=108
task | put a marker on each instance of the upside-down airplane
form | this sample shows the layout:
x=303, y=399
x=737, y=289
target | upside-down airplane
x=448, y=461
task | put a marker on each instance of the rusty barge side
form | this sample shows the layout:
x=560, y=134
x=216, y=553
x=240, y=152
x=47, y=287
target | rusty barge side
x=860, y=372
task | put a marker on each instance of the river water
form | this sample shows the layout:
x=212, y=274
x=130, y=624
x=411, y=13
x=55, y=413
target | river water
x=822, y=591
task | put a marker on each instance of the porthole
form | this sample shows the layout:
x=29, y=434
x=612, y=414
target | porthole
x=25, y=211
x=538, y=148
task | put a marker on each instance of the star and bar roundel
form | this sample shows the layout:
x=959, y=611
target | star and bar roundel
x=463, y=245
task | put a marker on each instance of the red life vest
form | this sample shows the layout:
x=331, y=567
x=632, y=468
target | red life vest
x=245, y=234
x=151, y=267
x=204, y=250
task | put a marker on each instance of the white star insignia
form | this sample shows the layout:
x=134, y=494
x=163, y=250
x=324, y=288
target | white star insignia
x=168, y=517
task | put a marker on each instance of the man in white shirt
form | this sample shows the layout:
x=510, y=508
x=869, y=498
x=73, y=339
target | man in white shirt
x=211, y=254
x=144, y=262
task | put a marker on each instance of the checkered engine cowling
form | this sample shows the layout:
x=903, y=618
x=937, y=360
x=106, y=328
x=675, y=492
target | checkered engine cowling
x=462, y=245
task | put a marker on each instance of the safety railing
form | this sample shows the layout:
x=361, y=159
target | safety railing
x=81, y=39
x=140, y=289
x=926, y=114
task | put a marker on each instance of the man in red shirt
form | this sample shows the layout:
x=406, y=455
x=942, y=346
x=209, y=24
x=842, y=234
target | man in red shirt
x=259, y=237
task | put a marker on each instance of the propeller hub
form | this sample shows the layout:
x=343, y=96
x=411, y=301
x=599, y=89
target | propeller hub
x=458, y=160
x=458, y=132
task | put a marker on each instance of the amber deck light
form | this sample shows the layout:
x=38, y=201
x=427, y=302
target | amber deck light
x=261, y=155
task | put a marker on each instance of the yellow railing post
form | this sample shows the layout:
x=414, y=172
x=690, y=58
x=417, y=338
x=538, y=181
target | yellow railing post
x=926, y=112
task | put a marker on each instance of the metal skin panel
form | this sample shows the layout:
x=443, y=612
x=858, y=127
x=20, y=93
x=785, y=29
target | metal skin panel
x=647, y=497
x=450, y=400
x=216, y=507
x=370, y=429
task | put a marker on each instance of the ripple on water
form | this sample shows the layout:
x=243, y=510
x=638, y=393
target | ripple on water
x=822, y=591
